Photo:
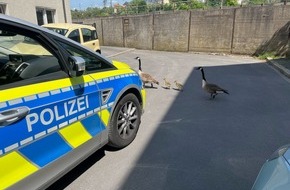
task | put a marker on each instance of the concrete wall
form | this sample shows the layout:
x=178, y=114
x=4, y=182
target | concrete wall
x=113, y=31
x=138, y=32
x=253, y=26
x=211, y=31
x=244, y=30
x=171, y=31
x=278, y=40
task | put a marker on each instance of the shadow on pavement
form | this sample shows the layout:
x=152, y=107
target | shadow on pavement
x=221, y=143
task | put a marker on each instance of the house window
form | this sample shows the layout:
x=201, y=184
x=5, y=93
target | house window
x=50, y=16
x=2, y=8
x=39, y=15
x=45, y=16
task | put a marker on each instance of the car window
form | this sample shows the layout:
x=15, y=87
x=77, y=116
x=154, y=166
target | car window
x=88, y=35
x=22, y=57
x=75, y=35
x=60, y=31
x=93, y=62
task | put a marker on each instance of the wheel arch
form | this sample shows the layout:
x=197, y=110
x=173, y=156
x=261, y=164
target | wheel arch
x=134, y=90
x=130, y=89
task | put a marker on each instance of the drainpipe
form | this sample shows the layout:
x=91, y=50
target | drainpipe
x=64, y=11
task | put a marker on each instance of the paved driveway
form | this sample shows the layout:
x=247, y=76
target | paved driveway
x=186, y=140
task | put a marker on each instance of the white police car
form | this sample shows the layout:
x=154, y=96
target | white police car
x=59, y=102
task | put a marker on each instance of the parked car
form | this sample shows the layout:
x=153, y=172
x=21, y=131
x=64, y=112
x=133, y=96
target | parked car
x=59, y=103
x=83, y=34
x=275, y=173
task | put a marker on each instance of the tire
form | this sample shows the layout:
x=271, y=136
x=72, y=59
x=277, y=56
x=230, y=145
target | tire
x=125, y=122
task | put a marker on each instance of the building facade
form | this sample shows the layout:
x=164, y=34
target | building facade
x=38, y=11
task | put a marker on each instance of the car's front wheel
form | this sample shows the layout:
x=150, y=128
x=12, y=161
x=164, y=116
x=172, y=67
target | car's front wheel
x=125, y=121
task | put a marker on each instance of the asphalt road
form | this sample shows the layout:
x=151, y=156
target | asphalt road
x=186, y=140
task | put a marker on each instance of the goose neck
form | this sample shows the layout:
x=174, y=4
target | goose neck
x=203, y=76
x=140, y=69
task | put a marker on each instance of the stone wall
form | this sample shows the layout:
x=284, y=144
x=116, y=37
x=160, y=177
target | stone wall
x=171, y=31
x=211, y=31
x=243, y=30
x=138, y=32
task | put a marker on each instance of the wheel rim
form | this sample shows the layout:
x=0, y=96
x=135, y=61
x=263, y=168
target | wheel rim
x=127, y=122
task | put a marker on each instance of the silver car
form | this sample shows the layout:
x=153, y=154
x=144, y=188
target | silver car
x=275, y=173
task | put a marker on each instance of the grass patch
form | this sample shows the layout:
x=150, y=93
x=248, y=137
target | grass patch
x=271, y=55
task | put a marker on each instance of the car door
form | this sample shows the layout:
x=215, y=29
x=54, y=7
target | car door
x=100, y=69
x=90, y=39
x=74, y=35
x=44, y=113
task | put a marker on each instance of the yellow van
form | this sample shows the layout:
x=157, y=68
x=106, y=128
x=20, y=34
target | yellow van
x=84, y=34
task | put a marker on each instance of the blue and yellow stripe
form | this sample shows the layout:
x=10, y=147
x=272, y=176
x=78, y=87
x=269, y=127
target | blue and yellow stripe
x=22, y=158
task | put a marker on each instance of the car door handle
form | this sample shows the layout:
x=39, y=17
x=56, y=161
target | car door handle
x=10, y=116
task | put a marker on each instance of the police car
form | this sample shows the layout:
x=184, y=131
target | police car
x=59, y=103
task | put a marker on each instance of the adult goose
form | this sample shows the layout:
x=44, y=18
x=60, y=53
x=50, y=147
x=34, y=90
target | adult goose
x=213, y=89
x=146, y=78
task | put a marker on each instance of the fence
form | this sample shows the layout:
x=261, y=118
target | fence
x=244, y=30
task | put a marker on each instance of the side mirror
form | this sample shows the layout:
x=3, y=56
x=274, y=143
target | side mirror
x=77, y=65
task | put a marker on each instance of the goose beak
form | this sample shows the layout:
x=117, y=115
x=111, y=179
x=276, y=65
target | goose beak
x=137, y=58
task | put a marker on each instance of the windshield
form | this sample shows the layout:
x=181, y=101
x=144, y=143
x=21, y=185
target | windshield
x=18, y=44
x=24, y=57
x=58, y=30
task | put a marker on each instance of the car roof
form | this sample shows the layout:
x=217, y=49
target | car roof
x=68, y=26
x=32, y=26
x=29, y=24
x=18, y=21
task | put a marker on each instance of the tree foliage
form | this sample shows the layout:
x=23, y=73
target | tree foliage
x=136, y=6
x=219, y=3
x=150, y=6
x=256, y=2
x=231, y=3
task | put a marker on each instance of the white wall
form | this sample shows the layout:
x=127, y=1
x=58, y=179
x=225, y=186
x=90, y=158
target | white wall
x=26, y=9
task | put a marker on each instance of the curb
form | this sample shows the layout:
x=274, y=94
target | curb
x=279, y=67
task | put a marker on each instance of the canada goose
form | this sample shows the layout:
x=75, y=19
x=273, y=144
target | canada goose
x=167, y=84
x=178, y=86
x=213, y=89
x=146, y=78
